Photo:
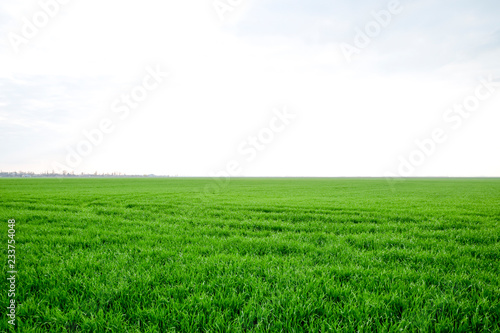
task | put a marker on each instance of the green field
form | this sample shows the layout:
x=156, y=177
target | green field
x=261, y=255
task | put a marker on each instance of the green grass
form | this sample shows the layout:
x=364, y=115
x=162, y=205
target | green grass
x=263, y=255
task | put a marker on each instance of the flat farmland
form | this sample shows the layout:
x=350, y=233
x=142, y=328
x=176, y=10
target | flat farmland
x=254, y=255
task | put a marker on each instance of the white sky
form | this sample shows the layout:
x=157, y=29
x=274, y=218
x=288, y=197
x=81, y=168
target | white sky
x=226, y=77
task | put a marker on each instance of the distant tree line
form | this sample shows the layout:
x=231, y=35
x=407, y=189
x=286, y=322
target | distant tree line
x=52, y=174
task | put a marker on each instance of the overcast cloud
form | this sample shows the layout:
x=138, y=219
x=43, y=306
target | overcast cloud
x=352, y=118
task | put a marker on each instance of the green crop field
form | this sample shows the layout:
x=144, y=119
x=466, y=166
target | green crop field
x=259, y=255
